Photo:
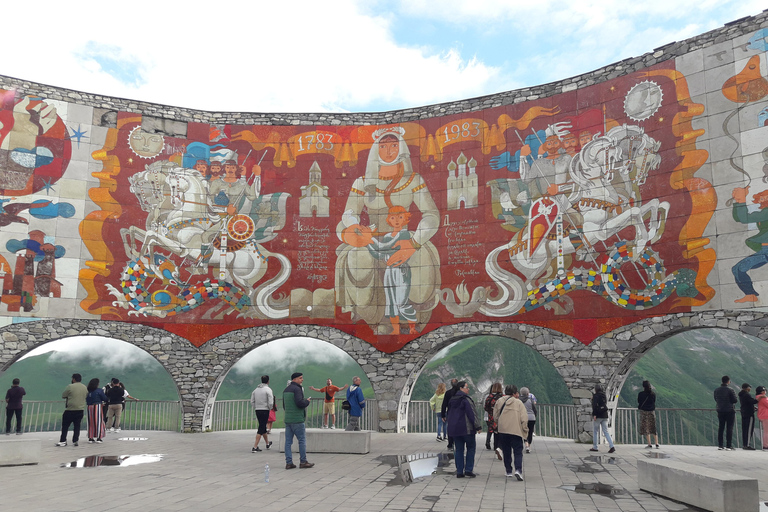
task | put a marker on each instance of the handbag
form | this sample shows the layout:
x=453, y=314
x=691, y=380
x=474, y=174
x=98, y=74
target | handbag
x=345, y=405
x=272, y=415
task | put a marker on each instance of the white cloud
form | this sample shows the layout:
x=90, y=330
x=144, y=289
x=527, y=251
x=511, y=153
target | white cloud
x=110, y=353
x=288, y=352
x=300, y=56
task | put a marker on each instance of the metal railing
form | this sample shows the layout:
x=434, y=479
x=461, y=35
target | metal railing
x=238, y=415
x=45, y=416
x=679, y=426
x=554, y=420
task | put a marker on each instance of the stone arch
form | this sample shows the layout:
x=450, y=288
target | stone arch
x=632, y=341
x=231, y=347
x=171, y=351
x=563, y=352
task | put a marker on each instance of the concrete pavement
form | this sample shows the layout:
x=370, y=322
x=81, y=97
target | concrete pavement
x=218, y=471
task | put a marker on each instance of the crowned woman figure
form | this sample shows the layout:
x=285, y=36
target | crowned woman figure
x=389, y=181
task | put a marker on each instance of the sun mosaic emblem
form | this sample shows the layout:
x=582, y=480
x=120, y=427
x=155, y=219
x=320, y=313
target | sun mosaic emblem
x=643, y=100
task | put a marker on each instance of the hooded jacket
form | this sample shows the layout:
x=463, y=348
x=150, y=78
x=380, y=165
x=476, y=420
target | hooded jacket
x=462, y=420
x=262, y=398
x=511, y=416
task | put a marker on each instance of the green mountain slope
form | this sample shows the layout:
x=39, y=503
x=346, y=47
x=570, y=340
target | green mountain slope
x=686, y=368
x=483, y=360
x=44, y=377
x=238, y=385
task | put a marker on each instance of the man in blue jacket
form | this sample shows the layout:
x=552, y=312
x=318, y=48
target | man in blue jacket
x=356, y=404
x=295, y=406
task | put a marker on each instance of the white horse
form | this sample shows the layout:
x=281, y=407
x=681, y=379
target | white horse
x=182, y=221
x=622, y=158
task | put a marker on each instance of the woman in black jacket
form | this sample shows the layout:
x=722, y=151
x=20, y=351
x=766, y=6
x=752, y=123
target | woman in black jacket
x=600, y=419
x=646, y=402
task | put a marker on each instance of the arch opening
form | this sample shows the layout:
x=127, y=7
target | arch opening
x=46, y=369
x=685, y=406
x=481, y=361
x=317, y=359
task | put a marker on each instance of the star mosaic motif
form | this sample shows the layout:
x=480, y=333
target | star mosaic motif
x=48, y=185
x=78, y=134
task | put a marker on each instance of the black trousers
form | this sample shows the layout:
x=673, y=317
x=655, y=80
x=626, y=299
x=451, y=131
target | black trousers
x=725, y=422
x=71, y=418
x=747, y=429
x=9, y=413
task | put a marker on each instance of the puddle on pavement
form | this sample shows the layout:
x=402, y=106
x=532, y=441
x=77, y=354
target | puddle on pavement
x=417, y=465
x=658, y=455
x=585, y=468
x=132, y=438
x=94, y=461
x=601, y=459
x=598, y=488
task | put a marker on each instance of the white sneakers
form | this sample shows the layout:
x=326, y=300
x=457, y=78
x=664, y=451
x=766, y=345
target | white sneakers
x=518, y=476
x=333, y=426
x=64, y=443
x=500, y=455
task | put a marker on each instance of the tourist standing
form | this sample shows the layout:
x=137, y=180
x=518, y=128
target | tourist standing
x=747, y=408
x=490, y=402
x=329, y=405
x=600, y=419
x=646, y=403
x=116, y=398
x=262, y=400
x=463, y=425
x=529, y=401
x=762, y=412
x=725, y=398
x=295, y=407
x=436, y=404
x=512, y=418
x=13, y=406
x=356, y=401
x=446, y=404
x=75, y=395
x=95, y=402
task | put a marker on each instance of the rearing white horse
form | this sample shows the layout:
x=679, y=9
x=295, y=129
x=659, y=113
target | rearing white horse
x=623, y=156
x=182, y=221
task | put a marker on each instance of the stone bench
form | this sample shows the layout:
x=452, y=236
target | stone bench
x=710, y=489
x=331, y=441
x=16, y=451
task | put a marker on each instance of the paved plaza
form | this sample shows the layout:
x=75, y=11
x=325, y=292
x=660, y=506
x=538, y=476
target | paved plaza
x=217, y=471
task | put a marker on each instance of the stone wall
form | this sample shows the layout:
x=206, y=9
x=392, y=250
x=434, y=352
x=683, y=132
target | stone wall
x=116, y=224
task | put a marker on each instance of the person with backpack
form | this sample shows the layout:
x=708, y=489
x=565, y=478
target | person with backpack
x=529, y=401
x=512, y=419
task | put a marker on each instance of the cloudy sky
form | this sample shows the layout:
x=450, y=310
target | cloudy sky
x=342, y=55
x=118, y=355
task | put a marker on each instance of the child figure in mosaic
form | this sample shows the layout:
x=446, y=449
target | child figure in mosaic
x=397, y=276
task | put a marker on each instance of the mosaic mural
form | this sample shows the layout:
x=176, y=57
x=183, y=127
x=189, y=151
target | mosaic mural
x=585, y=211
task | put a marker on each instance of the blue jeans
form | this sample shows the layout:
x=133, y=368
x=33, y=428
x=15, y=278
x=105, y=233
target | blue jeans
x=596, y=424
x=743, y=281
x=441, y=425
x=459, y=442
x=300, y=431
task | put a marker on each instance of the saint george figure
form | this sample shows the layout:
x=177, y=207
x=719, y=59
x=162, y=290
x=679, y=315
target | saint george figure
x=397, y=278
x=389, y=181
